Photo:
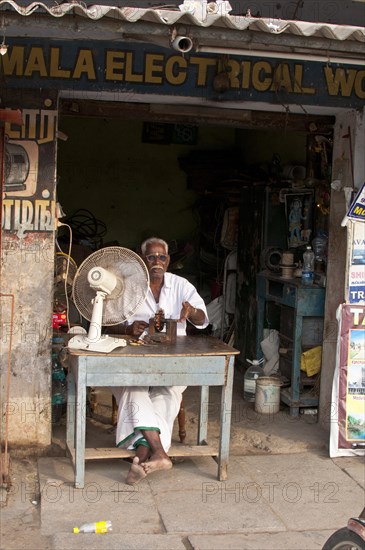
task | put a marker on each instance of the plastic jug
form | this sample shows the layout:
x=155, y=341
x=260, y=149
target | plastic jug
x=251, y=375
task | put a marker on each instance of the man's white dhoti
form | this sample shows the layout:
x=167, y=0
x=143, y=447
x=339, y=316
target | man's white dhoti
x=155, y=408
x=144, y=408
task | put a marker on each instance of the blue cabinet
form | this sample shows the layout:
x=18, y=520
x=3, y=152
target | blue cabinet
x=305, y=302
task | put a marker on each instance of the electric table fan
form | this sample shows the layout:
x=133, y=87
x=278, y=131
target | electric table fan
x=108, y=288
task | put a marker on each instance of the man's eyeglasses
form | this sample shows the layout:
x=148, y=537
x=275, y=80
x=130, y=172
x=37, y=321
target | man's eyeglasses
x=153, y=257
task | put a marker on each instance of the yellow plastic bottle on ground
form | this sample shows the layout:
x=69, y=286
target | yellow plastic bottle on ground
x=96, y=527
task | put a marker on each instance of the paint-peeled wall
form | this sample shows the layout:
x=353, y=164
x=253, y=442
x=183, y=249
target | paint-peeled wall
x=348, y=174
x=28, y=222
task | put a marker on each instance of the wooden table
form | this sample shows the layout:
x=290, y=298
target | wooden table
x=190, y=361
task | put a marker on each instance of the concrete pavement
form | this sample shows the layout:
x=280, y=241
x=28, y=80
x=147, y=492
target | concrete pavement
x=283, y=491
x=283, y=502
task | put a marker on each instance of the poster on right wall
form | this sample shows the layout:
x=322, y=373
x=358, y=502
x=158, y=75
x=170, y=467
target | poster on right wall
x=357, y=265
x=347, y=435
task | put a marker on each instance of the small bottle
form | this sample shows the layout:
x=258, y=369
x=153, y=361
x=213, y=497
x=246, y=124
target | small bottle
x=249, y=381
x=97, y=527
x=308, y=267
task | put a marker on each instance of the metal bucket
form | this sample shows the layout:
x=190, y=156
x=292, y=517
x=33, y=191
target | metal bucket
x=267, y=399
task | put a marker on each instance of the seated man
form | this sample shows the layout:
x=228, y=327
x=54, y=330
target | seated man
x=146, y=414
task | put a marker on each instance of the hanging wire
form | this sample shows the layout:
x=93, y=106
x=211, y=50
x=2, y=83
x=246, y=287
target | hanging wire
x=87, y=228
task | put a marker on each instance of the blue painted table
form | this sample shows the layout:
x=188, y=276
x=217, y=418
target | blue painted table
x=307, y=301
x=190, y=361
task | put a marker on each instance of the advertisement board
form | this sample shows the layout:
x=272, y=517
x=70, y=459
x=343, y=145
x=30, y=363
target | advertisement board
x=348, y=390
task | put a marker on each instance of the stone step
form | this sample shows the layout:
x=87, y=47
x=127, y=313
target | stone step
x=110, y=541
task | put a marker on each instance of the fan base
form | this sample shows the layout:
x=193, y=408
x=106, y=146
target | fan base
x=106, y=344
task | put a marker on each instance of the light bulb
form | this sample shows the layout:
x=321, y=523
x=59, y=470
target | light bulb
x=3, y=48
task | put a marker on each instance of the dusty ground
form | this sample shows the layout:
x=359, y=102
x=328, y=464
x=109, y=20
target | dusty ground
x=251, y=433
x=20, y=514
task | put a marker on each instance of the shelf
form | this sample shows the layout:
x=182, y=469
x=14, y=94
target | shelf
x=306, y=399
x=301, y=328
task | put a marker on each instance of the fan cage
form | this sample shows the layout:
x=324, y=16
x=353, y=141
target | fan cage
x=128, y=267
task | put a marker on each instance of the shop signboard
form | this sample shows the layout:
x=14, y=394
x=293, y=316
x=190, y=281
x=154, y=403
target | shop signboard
x=356, y=224
x=127, y=69
x=28, y=204
x=357, y=208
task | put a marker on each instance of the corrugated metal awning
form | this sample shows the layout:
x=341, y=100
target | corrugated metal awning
x=192, y=16
x=207, y=24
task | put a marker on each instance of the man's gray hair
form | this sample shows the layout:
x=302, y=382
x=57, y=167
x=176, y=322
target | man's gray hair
x=153, y=240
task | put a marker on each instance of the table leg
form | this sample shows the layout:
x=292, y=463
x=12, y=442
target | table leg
x=80, y=417
x=70, y=422
x=226, y=416
x=295, y=373
x=260, y=318
x=203, y=415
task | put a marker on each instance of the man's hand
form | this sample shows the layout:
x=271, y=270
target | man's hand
x=185, y=311
x=136, y=328
x=191, y=313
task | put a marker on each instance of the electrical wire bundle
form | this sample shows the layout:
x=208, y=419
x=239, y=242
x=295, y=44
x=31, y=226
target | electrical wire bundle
x=86, y=228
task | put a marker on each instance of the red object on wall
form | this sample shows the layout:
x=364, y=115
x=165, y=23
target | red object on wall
x=13, y=116
x=59, y=320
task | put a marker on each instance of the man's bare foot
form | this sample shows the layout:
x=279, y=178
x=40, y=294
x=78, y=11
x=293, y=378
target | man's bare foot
x=157, y=462
x=136, y=472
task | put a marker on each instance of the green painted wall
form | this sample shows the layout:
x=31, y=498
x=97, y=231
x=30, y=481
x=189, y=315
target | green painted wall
x=137, y=189
x=258, y=146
